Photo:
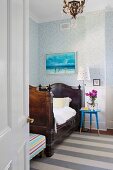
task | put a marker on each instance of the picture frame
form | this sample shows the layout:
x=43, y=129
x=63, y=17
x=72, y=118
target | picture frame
x=61, y=63
x=96, y=82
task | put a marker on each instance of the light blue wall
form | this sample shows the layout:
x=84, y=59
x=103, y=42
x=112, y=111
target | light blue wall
x=33, y=53
x=93, y=40
x=109, y=47
x=87, y=38
x=109, y=68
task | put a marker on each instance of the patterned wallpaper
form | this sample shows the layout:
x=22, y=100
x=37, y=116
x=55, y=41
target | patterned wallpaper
x=109, y=67
x=92, y=38
x=109, y=47
x=33, y=53
x=87, y=38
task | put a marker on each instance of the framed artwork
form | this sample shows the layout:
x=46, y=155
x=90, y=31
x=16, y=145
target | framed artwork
x=96, y=82
x=61, y=63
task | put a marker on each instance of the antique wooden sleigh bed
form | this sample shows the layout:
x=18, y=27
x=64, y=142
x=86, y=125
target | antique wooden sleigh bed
x=41, y=110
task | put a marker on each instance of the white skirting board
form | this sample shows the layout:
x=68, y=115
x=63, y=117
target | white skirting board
x=102, y=125
x=110, y=124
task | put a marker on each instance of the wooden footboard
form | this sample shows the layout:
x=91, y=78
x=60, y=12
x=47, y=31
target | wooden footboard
x=41, y=110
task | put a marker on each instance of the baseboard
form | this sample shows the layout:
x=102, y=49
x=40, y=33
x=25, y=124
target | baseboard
x=110, y=124
x=102, y=125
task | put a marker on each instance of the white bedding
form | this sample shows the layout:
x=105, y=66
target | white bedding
x=63, y=114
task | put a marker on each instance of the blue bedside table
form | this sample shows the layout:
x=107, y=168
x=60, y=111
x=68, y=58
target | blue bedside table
x=90, y=112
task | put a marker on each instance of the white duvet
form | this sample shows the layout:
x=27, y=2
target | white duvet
x=63, y=114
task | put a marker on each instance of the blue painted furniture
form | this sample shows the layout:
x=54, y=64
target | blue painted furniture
x=91, y=112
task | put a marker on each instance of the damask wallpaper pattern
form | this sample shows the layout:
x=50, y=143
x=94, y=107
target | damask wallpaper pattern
x=33, y=53
x=87, y=38
x=92, y=38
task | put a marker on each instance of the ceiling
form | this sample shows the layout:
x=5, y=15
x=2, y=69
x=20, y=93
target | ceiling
x=51, y=10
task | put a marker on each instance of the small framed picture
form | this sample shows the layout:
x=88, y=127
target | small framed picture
x=96, y=82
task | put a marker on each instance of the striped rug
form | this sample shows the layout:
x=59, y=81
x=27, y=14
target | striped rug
x=79, y=152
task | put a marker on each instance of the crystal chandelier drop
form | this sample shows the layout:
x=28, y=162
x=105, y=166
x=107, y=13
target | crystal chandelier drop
x=73, y=7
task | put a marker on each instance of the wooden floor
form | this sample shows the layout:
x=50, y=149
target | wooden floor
x=108, y=132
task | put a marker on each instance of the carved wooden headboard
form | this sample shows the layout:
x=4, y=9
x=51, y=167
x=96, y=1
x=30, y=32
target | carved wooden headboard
x=63, y=90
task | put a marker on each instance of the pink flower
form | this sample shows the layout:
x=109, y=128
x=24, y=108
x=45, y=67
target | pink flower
x=87, y=94
x=93, y=95
x=94, y=91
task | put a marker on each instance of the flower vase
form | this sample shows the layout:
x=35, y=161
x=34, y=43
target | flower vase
x=92, y=107
x=92, y=97
x=91, y=104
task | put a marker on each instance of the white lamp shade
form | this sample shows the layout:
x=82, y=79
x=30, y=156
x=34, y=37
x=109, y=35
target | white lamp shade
x=83, y=73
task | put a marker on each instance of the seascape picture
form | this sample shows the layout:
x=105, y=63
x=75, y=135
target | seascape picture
x=61, y=63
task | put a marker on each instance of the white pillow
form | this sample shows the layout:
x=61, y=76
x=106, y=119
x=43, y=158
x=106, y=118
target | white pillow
x=58, y=102
x=61, y=102
x=67, y=101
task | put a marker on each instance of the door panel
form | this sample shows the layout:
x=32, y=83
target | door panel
x=14, y=84
x=8, y=167
x=3, y=67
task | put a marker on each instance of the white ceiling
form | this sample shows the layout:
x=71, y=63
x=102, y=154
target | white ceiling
x=51, y=10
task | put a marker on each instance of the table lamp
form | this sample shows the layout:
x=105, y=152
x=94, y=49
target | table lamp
x=83, y=75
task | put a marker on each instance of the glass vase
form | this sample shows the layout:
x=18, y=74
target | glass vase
x=91, y=104
x=90, y=107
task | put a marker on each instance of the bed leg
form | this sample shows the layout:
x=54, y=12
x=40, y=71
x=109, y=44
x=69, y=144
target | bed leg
x=49, y=151
x=41, y=154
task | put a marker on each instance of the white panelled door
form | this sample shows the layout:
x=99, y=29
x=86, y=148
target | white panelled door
x=14, y=73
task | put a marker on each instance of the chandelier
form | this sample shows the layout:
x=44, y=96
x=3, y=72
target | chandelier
x=73, y=7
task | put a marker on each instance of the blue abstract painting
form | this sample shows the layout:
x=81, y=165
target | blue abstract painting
x=61, y=63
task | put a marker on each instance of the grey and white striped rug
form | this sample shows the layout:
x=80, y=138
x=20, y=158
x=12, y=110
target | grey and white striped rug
x=79, y=152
